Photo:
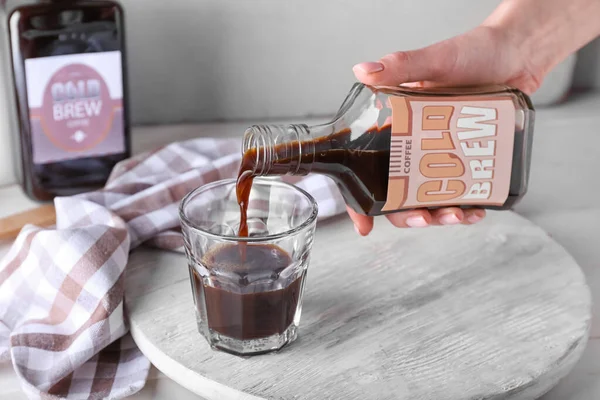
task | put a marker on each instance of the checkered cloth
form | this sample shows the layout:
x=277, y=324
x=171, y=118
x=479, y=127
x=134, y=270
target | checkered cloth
x=62, y=290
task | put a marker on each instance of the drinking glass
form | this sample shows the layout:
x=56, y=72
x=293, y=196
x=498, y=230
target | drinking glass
x=248, y=291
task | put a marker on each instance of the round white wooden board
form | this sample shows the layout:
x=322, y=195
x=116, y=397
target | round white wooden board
x=497, y=310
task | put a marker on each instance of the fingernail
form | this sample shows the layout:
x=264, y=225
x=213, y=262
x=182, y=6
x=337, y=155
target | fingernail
x=449, y=219
x=473, y=218
x=416, y=222
x=476, y=216
x=369, y=67
x=358, y=230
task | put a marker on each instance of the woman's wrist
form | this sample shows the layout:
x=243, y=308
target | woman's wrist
x=545, y=32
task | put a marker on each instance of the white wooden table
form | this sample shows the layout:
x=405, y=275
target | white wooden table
x=495, y=310
x=563, y=200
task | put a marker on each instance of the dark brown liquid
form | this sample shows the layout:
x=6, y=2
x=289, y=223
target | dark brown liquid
x=241, y=304
x=360, y=167
x=53, y=29
x=242, y=189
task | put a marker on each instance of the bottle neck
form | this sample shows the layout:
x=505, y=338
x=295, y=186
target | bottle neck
x=279, y=149
x=297, y=149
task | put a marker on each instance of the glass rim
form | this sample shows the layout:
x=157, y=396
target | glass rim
x=253, y=239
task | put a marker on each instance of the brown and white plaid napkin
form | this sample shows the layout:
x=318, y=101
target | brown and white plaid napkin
x=62, y=290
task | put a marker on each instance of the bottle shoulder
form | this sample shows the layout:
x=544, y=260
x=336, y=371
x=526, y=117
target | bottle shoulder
x=18, y=10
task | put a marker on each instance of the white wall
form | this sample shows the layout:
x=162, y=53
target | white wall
x=587, y=72
x=197, y=60
x=234, y=59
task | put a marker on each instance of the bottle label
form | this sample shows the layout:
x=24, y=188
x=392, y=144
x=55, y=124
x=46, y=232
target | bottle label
x=75, y=106
x=450, y=151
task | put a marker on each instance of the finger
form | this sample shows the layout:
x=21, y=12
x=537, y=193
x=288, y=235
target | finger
x=427, y=64
x=473, y=215
x=363, y=225
x=447, y=216
x=410, y=219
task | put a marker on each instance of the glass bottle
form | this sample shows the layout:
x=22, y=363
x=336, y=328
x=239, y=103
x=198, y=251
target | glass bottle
x=397, y=148
x=68, y=62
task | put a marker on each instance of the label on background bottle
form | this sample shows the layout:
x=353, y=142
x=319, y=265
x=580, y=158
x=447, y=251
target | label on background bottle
x=75, y=106
x=450, y=151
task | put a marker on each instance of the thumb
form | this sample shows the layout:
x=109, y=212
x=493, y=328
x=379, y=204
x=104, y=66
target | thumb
x=430, y=63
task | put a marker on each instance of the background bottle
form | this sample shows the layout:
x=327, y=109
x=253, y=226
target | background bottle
x=68, y=62
x=400, y=148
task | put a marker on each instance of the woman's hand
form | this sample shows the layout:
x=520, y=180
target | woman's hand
x=482, y=56
x=517, y=45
